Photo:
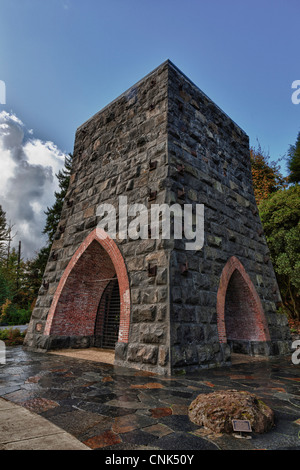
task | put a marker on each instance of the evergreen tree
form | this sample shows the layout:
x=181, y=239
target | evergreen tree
x=294, y=162
x=35, y=269
x=53, y=213
x=3, y=234
x=15, y=298
x=5, y=291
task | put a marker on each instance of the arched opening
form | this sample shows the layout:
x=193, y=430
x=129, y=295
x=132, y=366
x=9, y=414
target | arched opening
x=240, y=316
x=95, y=274
x=240, y=312
x=77, y=306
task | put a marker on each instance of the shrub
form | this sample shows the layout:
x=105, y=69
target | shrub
x=11, y=314
x=280, y=215
x=12, y=336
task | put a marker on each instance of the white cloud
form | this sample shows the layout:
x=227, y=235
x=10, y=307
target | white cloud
x=44, y=153
x=27, y=180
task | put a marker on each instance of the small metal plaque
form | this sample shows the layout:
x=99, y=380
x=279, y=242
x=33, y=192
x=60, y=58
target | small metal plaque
x=241, y=425
x=38, y=327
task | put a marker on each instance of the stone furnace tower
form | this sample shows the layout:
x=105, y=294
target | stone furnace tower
x=161, y=307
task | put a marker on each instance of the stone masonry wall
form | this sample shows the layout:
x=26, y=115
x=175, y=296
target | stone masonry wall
x=164, y=141
x=112, y=156
x=217, y=173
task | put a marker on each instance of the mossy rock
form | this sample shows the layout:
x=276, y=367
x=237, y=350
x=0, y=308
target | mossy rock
x=216, y=411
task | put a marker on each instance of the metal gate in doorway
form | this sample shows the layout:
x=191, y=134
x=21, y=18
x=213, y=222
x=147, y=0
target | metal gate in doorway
x=108, y=317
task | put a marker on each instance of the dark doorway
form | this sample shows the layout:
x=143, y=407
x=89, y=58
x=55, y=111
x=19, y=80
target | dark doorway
x=108, y=317
x=241, y=316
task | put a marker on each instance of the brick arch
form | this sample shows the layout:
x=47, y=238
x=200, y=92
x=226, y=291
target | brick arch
x=98, y=240
x=234, y=271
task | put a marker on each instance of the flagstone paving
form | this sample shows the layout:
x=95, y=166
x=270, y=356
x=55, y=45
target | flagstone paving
x=113, y=408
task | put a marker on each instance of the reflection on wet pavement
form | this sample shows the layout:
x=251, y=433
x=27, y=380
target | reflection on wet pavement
x=111, y=408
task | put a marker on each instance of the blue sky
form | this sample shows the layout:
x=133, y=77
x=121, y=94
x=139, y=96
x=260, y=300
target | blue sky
x=63, y=60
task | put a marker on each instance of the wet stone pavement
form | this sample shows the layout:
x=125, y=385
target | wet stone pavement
x=113, y=408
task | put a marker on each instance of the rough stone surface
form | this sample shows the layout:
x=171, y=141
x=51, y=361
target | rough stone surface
x=164, y=137
x=216, y=411
x=91, y=398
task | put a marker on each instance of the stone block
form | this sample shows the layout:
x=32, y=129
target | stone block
x=163, y=356
x=155, y=334
x=144, y=313
x=147, y=354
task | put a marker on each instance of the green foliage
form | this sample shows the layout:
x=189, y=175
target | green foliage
x=11, y=310
x=17, y=316
x=20, y=280
x=12, y=336
x=16, y=294
x=53, y=213
x=266, y=175
x=12, y=314
x=5, y=289
x=294, y=161
x=3, y=233
x=280, y=215
x=12, y=270
x=34, y=273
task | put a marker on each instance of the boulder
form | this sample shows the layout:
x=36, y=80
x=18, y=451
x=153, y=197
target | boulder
x=216, y=411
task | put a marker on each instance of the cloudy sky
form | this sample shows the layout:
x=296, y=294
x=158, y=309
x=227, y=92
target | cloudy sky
x=63, y=60
x=27, y=180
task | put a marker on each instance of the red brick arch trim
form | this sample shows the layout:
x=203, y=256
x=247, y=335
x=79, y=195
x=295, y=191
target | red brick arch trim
x=117, y=259
x=234, y=264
